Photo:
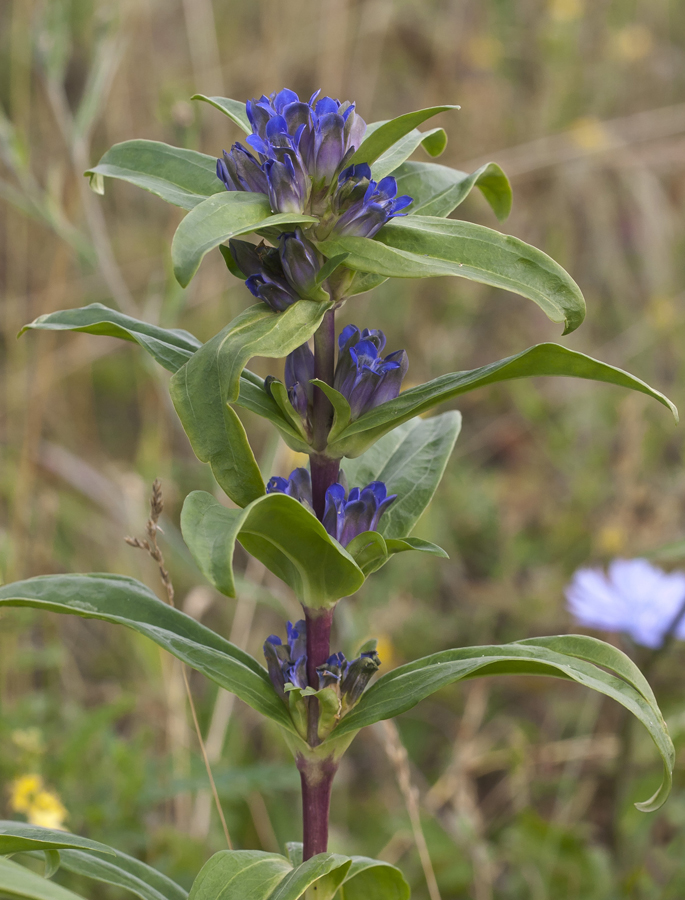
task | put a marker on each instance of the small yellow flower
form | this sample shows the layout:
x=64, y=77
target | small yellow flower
x=47, y=811
x=28, y=795
x=22, y=792
x=386, y=652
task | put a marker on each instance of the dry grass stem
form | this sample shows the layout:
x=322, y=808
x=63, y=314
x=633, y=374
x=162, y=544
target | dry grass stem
x=151, y=547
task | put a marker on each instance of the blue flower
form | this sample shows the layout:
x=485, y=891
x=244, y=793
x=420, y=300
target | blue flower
x=634, y=597
x=299, y=371
x=280, y=276
x=363, y=206
x=362, y=375
x=345, y=516
x=287, y=664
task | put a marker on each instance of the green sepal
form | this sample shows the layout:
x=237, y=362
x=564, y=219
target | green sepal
x=278, y=391
x=341, y=408
x=287, y=538
x=329, y=709
x=438, y=190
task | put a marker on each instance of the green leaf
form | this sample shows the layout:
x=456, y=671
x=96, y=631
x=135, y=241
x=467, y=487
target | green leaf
x=423, y=246
x=234, y=109
x=385, y=134
x=410, y=460
x=125, y=601
x=437, y=190
x=572, y=657
x=238, y=875
x=373, y=879
x=125, y=872
x=217, y=219
x=371, y=551
x=341, y=408
x=282, y=534
x=182, y=177
x=211, y=379
x=542, y=359
x=52, y=862
x=18, y=882
x=19, y=837
x=326, y=869
x=254, y=396
x=171, y=347
x=433, y=141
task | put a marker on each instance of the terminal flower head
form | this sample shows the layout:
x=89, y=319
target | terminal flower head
x=634, y=597
x=345, y=515
x=299, y=156
x=362, y=375
x=349, y=678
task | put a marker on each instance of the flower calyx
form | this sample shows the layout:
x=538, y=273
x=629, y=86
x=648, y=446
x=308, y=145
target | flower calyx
x=341, y=683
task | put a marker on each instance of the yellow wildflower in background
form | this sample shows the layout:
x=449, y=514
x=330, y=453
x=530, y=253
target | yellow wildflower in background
x=28, y=795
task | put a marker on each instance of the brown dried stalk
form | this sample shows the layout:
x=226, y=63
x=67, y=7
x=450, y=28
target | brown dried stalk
x=151, y=547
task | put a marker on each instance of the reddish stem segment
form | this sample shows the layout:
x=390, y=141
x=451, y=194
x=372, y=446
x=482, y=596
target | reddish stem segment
x=317, y=781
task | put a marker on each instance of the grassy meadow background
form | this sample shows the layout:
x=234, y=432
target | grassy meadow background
x=583, y=104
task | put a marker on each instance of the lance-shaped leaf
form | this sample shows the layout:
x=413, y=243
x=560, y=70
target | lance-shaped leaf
x=18, y=882
x=423, y=246
x=125, y=601
x=371, y=550
x=433, y=142
x=90, y=859
x=234, y=109
x=171, y=347
x=282, y=534
x=585, y=660
x=410, y=461
x=202, y=389
x=381, y=136
x=182, y=177
x=543, y=359
x=239, y=874
x=218, y=219
x=437, y=190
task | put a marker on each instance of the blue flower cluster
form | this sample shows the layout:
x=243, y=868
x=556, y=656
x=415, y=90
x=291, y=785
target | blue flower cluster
x=280, y=276
x=287, y=664
x=362, y=375
x=346, y=515
x=302, y=163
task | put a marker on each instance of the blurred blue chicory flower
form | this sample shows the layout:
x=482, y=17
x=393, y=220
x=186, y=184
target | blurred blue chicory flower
x=287, y=664
x=301, y=163
x=279, y=276
x=634, y=597
x=345, y=516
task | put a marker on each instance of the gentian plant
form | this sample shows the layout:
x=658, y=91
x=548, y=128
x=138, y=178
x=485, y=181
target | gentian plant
x=334, y=209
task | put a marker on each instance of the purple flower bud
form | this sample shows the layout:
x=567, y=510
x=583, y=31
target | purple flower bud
x=297, y=485
x=359, y=673
x=240, y=171
x=363, y=205
x=301, y=263
x=275, y=292
x=299, y=370
x=362, y=375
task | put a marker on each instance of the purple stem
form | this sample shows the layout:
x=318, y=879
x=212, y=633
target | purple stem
x=317, y=776
x=317, y=781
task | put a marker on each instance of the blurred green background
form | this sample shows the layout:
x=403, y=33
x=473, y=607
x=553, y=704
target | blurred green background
x=582, y=103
